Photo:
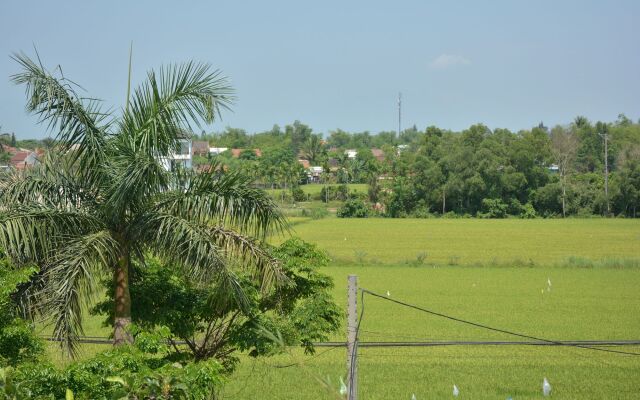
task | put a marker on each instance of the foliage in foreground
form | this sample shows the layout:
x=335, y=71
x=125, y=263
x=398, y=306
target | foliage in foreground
x=18, y=342
x=125, y=372
x=109, y=194
x=212, y=325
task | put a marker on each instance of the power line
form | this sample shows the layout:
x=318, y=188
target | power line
x=478, y=325
x=424, y=343
x=442, y=343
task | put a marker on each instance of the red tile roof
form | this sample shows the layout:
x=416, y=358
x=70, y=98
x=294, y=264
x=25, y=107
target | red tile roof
x=200, y=147
x=378, y=154
x=19, y=157
x=305, y=163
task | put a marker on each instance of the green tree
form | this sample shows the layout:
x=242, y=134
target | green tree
x=313, y=150
x=18, y=342
x=215, y=325
x=107, y=200
x=353, y=208
x=339, y=139
x=298, y=133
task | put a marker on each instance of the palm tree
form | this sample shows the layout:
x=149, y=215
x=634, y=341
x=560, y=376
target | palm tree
x=106, y=200
x=313, y=149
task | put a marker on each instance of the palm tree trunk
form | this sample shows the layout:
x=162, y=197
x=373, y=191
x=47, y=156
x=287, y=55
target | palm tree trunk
x=122, y=299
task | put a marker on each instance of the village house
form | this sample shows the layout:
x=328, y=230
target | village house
x=180, y=159
x=378, y=154
x=24, y=159
x=200, y=148
x=351, y=153
x=314, y=174
x=214, y=151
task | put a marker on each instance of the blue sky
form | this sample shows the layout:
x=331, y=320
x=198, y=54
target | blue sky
x=341, y=64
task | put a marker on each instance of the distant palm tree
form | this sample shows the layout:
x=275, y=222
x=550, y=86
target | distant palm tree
x=581, y=121
x=106, y=199
x=312, y=149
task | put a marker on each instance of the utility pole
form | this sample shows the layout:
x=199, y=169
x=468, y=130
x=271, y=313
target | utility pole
x=606, y=171
x=352, y=337
x=399, y=113
x=605, y=136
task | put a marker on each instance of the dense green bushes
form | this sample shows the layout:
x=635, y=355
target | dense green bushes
x=18, y=343
x=353, y=208
x=215, y=318
x=232, y=313
x=123, y=372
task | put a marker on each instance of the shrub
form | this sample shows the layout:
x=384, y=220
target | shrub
x=450, y=215
x=422, y=212
x=215, y=324
x=353, y=208
x=493, y=208
x=123, y=372
x=330, y=193
x=18, y=342
x=528, y=212
x=315, y=213
x=298, y=194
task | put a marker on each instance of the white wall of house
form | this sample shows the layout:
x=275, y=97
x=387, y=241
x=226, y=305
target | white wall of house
x=181, y=158
x=351, y=153
x=217, y=150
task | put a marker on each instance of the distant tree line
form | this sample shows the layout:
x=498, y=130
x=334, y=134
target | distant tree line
x=476, y=172
x=480, y=172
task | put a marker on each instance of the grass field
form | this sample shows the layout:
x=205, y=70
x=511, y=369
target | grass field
x=582, y=304
x=595, y=296
x=473, y=241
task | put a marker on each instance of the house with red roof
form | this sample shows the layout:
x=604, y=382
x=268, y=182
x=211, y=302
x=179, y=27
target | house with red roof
x=23, y=159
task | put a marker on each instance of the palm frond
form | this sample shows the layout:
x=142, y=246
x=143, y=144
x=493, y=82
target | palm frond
x=173, y=99
x=135, y=177
x=228, y=291
x=225, y=198
x=72, y=283
x=180, y=241
x=205, y=251
x=48, y=183
x=33, y=232
x=79, y=124
x=250, y=253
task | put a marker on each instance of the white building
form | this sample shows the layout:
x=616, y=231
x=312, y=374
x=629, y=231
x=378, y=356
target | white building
x=217, y=150
x=351, y=153
x=180, y=159
x=314, y=174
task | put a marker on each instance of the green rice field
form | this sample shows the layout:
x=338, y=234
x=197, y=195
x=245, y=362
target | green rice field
x=582, y=304
x=493, y=272
x=474, y=241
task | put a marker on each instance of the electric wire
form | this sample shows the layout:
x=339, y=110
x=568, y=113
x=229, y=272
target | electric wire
x=478, y=325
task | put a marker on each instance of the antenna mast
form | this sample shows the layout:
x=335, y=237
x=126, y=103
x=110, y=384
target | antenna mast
x=399, y=112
